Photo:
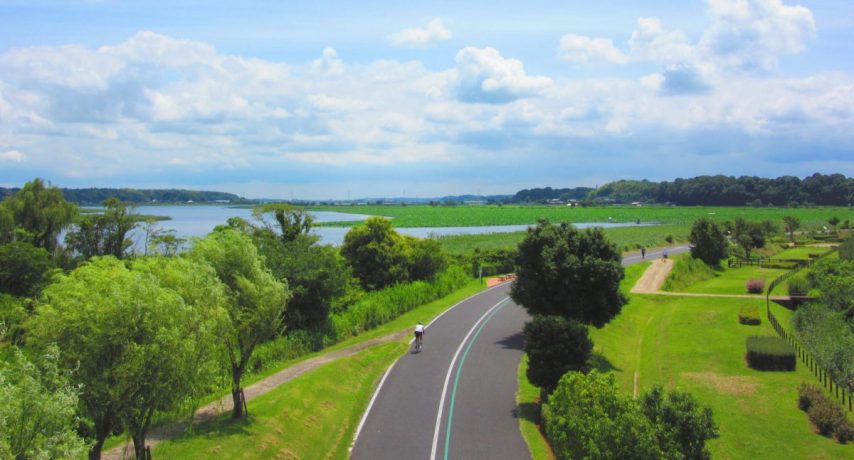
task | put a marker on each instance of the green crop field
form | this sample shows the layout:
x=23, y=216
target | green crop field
x=456, y=216
x=697, y=345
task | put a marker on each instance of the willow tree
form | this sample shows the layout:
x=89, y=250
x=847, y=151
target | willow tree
x=39, y=213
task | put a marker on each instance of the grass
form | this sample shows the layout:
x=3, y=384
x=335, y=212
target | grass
x=800, y=252
x=312, y=417
x=697, y=345
x=528, y=405
x=453, y=216
x=733, y=280
x=687, y=271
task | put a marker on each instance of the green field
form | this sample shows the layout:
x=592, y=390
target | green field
x=734, y=280
x=697, y=345
x=456, y=216
x=312, y=417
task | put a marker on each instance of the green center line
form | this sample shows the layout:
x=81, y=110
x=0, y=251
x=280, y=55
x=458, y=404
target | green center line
x=459, y=371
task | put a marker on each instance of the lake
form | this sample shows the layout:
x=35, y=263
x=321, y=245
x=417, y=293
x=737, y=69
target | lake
x=198, y=221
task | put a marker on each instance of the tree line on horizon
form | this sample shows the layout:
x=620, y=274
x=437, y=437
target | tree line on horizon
x=720, y=190
x=96, y=196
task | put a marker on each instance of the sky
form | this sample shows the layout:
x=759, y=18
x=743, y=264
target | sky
x=337, y=100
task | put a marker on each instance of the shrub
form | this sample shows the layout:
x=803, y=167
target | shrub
x=827, y=416
x=846, y=249
x=749, y=315
x=798, y=286
x=687, y=271
x=767, y=353
x=555, y=345
x=844, y=433
x=808, y=393
x=755, y=286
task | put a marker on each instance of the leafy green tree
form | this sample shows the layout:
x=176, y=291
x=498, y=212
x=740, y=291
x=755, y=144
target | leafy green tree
x=748, y=235
x=315, y=274
x=14, y=312
x=24, y=269
x=292, y=221
x=833, y=221
x=555, y=346
x=7, y=224
x=846, y=249
x=38, y=415
x=586, y=417
x=708, y=242
x=256, y=300
x=104, y=234
x=425, y=258
x=166, y=243
x=128, y=340
x=561, y=271
x=681, y=423
x=377, y=254
x=791, y=224
x=835, y=281
x=40, y=212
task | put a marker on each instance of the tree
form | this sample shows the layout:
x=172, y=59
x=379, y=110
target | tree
x=748, y=235
x=555, y=346
x=40, y=213
x=681, y=423
x=256, y=300
x=708, y=242
x=561, y=271
x=586, y=417
x=833, y=221
x=792, y=224
x=292, y=221
x=24, y=269
x=104, y=234
x=38, y=415
x=425, y=258
x=377, y=254
x=128, y=340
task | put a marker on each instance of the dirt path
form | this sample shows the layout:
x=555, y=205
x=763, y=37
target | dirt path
x=653, y=278
x=225, y=404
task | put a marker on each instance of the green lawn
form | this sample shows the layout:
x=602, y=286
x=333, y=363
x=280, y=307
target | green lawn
x=697, y=345
x=528, y=401
x=311, y=417
x=734, y=280
x=800, y=252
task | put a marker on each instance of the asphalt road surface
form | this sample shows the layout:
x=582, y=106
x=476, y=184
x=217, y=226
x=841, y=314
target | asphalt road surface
x=456, y=399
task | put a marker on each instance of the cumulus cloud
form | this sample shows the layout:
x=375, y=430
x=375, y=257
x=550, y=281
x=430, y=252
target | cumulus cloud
x=679, y=79
x=433, y=32
x=12, y=156
x=484, y=75
x=578, y=48
x=649, y=41
x=752, y=34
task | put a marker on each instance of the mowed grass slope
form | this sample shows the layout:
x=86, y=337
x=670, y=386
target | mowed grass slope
x=697, y=345
x=312, y=417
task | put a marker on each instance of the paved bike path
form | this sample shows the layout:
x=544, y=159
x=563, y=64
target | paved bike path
x=470, y=357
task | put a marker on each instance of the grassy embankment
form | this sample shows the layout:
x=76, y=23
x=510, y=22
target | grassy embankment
x=314, y=415
x=674, y=221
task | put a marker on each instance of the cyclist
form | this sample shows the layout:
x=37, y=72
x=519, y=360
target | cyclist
x=419, y=334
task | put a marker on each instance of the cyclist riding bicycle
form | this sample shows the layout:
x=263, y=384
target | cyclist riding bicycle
x=419, y=334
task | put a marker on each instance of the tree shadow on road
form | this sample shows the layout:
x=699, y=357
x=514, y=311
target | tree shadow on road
x=512, y=342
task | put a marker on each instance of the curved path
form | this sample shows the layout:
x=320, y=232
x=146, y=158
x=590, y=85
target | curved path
x=457, y=398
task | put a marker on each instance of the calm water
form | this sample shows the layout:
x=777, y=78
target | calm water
x=198, y=221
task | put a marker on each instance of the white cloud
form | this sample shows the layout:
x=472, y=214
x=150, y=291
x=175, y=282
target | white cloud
x=486, y=76
x=417, y=37
x=649, y=41
x=752, y=34
x=578, y=48
x=12, y=156
x=329, y=63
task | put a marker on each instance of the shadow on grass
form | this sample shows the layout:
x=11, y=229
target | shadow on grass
x=220, y=426
x=599, y=362
x=529, y=411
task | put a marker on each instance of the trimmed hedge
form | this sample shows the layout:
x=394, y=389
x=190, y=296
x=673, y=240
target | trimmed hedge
x=767, y=353
x=755, y=286
x=827, y=416
x=749, y=314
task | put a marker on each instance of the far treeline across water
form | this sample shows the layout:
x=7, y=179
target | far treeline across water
x=96, y=196
x=818, y=189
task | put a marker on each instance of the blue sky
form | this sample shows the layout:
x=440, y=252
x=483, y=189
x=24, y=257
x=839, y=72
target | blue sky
x=326, y=100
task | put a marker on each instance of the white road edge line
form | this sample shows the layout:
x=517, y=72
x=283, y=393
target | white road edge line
x=448, y=378
x=387, y=372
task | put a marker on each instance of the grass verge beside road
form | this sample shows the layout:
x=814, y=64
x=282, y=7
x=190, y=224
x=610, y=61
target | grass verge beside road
x=528, y=406
x=312, y=417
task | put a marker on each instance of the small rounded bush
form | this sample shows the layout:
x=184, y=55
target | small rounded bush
x=826, y=415
x=749, y=315
x=756, y=286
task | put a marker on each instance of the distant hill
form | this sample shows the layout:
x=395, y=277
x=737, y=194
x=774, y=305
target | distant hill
x=95, y=196
x=543, y=195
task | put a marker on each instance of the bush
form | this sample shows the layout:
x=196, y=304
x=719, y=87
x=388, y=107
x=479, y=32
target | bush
x=755, y=286
x=708, y=242
x=798, y=286
x=555, y=345
x=766, y=353
x=808, y=393
x=749, y=315
x=846, y=249
x=827, y=416
x=687, y=271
